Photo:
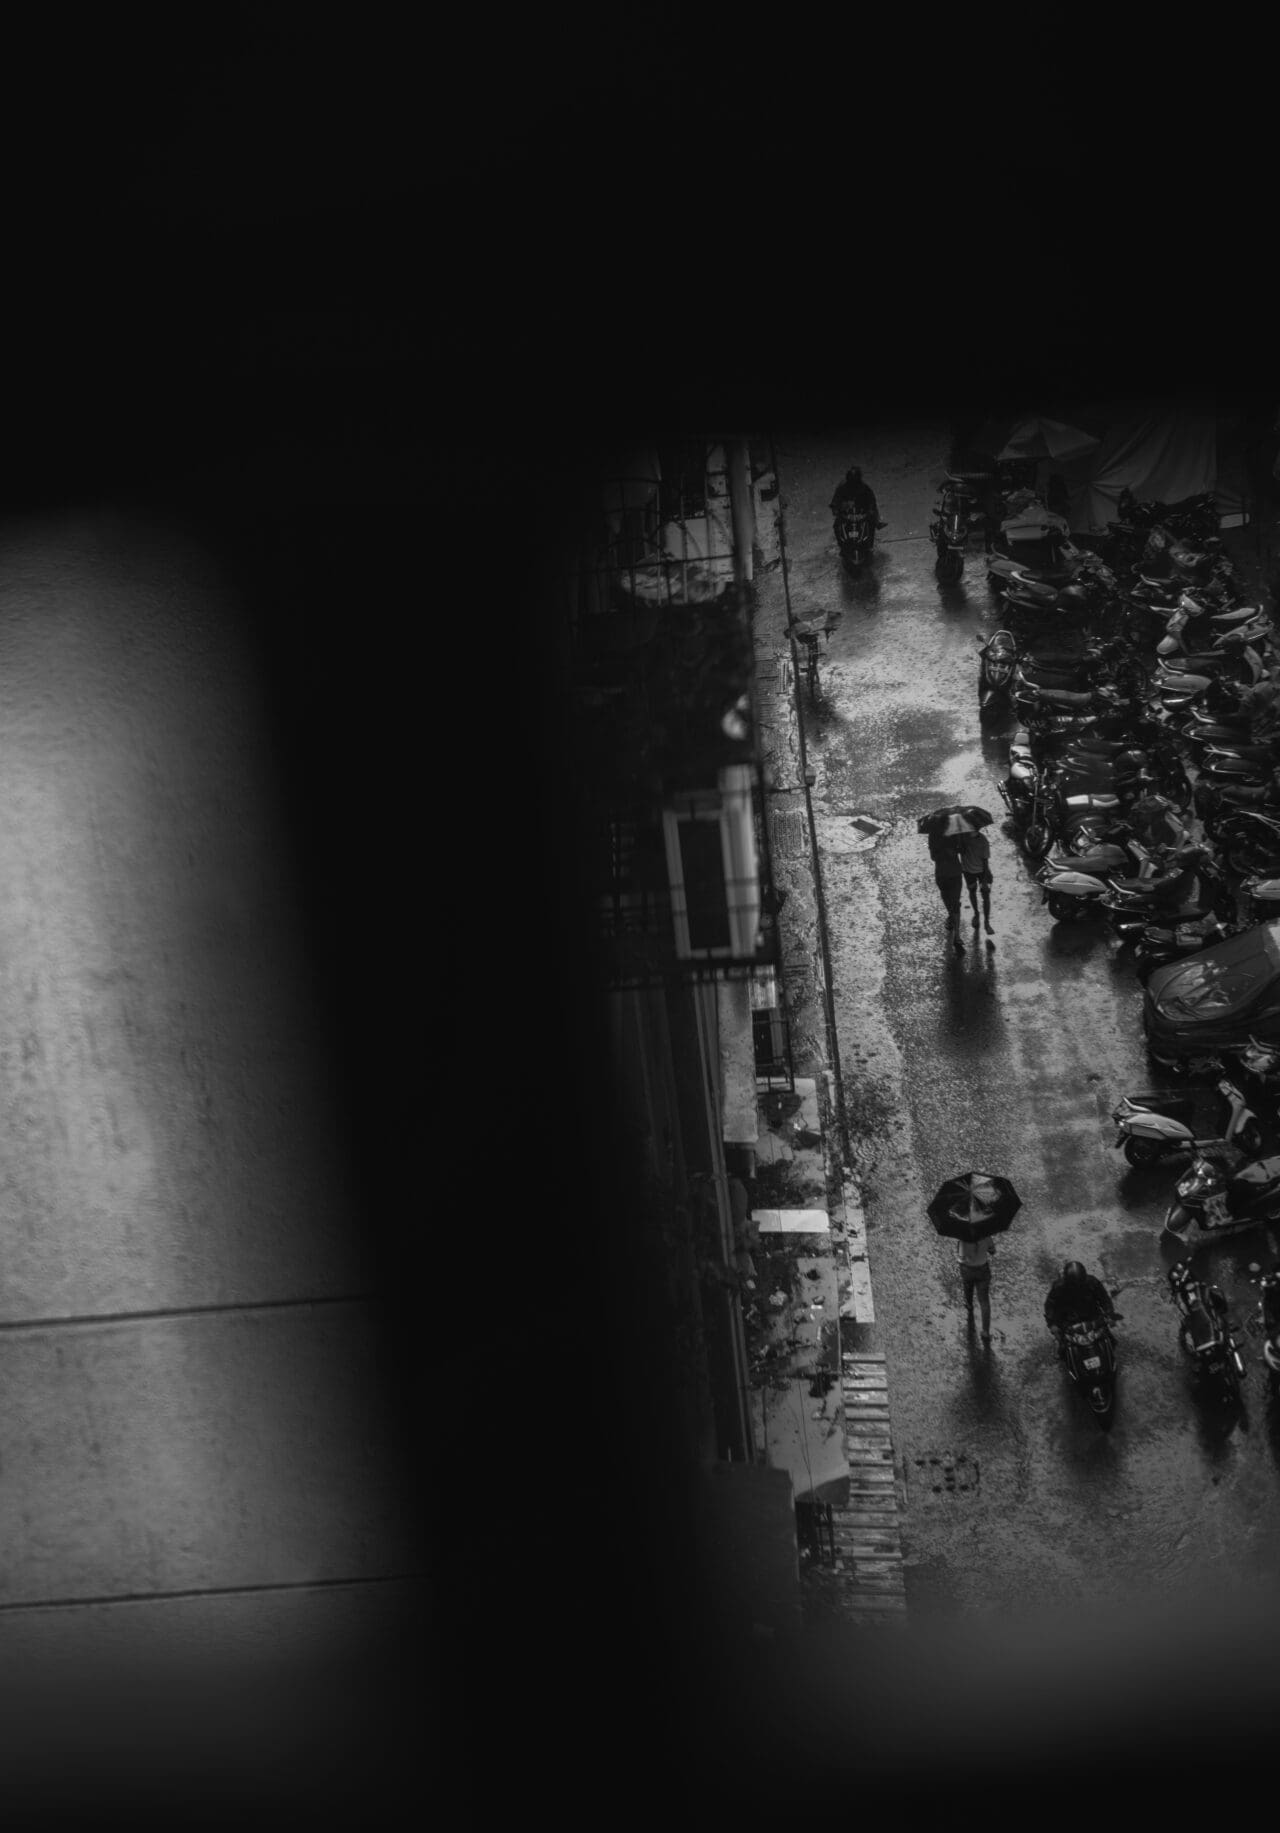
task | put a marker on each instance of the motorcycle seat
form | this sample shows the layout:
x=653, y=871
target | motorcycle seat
x=1045, y=676
x=1164, y=1100
x=1153, y=887
x=1193, y=662
x=1064, y=697
x=1201, y=1329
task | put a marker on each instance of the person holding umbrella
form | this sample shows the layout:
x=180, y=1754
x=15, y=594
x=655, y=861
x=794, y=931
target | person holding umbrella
x=974, y=1260
x=975, y=863
x=948, y=875
x=947, y=830
x=969, y=1210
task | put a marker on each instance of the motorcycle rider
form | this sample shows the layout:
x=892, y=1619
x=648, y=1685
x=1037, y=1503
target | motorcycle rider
x=1076, y=1297
x=858, y=496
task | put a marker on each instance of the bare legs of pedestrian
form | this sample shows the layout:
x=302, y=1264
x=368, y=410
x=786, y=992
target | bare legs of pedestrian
x=983, y=1289
x=951, y=898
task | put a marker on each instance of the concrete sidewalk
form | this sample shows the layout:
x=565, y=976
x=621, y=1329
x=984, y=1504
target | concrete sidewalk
x=822, y=1404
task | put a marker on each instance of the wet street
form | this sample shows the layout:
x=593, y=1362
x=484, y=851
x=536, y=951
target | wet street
x=1008, y=1059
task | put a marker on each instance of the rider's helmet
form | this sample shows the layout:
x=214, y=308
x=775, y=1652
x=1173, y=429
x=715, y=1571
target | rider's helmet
x=853, y=475
x=1073, y=1271
x=1077, y=596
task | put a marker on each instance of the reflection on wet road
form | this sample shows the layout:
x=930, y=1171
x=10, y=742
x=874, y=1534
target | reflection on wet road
x=1008, y=1059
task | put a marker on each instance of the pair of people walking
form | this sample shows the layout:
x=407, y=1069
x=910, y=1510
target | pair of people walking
x=963, y=860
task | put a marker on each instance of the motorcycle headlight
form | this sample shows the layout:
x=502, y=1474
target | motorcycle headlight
x=999, y=672
x=1203, y=1180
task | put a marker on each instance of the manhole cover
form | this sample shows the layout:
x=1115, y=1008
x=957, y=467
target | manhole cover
x=849, y=833
x=944, y=1473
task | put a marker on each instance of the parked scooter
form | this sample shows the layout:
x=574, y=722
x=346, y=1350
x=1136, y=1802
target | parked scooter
x=1205, y=1332
x=1073, y=885
x=1268, y=1285
x=1137, y=842
x=1057, y=589
x=1191, y=888
x=999, y=653
x=1222, y=1200
x=1193, y=628
x=1182, y=680
x=1148, y=1129
x=1202, y=734
x=1034, y=702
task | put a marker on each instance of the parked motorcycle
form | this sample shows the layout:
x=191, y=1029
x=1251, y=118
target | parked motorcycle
x=1158, y=944
x=1193, y=629
x=1192, y=887
x=1089, y=1352
x=1216, y=799
x=855, y=534
x=1032, y=587
x=1049, y=730
x=1148, y=1127
x=1205, y=1332
x=1202, y=733
x=1219, y=769
x=1095, y=848
x=1057, y=814
x=1110, y=661
x=1223, y=1197
x=1034, y=702
x=1261, y=901
x=1268, y=1285
x=1181, y=681
x=1073, y=885
x=1250, y=841
x=1191, y=515
x=1256, y=1067
x=999, y=653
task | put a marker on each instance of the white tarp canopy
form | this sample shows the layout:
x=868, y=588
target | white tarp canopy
x=1160, y=454
x=1159, y=450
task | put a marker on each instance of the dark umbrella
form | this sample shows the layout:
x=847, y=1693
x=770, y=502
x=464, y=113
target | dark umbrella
x=973, y=1205
x=956, y=819
x=1037, y=437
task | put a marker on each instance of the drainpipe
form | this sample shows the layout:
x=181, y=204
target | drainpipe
x=743, y=507
x=809, y=778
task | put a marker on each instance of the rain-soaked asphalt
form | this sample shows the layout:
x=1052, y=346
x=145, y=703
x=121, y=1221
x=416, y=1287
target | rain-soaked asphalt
x=1008, y=1059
